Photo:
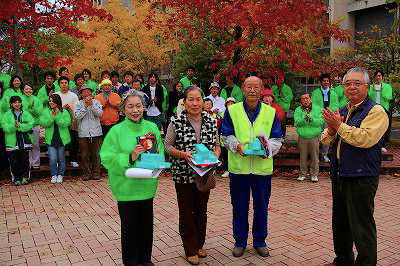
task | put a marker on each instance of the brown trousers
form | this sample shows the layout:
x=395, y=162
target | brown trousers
x=90, y=156
x=309, y=147
x=192, y=206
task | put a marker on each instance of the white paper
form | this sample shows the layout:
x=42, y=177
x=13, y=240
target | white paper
x=200, y=171
x=142, y=173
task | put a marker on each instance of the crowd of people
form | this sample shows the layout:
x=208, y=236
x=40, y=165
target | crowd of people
x=103, y=123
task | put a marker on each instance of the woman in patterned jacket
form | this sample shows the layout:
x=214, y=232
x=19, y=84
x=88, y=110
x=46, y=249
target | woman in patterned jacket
x=192, y=126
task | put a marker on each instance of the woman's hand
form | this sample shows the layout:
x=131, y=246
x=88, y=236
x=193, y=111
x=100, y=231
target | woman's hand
x=187, y=155
x=217, y=153
x=139, y=149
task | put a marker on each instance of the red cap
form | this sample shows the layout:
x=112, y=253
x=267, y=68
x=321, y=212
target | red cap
x=267, y=92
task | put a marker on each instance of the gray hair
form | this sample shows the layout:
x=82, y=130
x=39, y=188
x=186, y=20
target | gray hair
x=193, y=88
x=358, y=70
x=138, y=94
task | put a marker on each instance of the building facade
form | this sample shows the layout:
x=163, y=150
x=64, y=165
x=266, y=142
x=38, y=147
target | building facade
x=358, y=16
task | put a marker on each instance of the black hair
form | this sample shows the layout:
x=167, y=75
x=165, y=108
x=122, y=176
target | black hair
x=194, y=81
x=176, y=84
x=114, y=73
x=57, y=100
x=78, y=76
x=61, y=70
x=207, y=100
x=324, y=76
x=105, y=72
x=136, y=80
x=12, y=81
x=192, y=88
x=130, y=73
x=379, y=71
x=63, y=78
x=190, y=67
x=87, y=71
x=14, y=99
x=153, y=74
x=51, y=74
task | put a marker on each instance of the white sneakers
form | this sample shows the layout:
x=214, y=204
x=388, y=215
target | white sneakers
x=74, y=164
x=225, y=174
x=301, y=178
x=384, y=150
x=56, y=179
x=314, y=178
x=325, y=158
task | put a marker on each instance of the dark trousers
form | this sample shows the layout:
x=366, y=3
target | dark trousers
x=353, y=220
x=136, y=231
x=386, y=138
x=240, y=187
x=192, y=206
x=73, y=147
x=90, y=156
x=105, y=130
x=283, y=125
x=3, y=155
x=224, y=155
x=19, y=164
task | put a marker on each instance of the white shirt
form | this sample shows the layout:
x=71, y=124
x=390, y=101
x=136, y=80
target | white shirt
x=69, y=98
x=218, y=103
x=152, y=110
x=377, y=87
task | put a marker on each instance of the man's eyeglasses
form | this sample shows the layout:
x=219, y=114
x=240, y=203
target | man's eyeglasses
x=356, y=84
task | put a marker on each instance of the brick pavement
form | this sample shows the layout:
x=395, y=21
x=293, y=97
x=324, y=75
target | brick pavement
x=77, y=223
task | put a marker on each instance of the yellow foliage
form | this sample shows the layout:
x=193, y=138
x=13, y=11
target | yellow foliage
x=125, y=43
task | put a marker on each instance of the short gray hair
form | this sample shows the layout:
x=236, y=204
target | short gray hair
x=138, y=94
x=192, y=88
x=358, y=70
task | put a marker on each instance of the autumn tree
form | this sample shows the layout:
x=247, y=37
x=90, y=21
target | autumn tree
x=21, y=20
x=125, y=43
x=268, y=37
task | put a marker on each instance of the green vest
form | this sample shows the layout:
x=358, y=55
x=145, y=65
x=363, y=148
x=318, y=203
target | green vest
x=386, y=94
x=185, y=82
x=244, y=132
x=236, y=93
x=341, y=97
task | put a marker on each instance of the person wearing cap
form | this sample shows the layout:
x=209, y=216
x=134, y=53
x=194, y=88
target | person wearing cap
x=218, y=103
x=69, y=100
x=242, y=123
x=308, y=121
x=268, y=98
x=88, y=112
x=110, y=102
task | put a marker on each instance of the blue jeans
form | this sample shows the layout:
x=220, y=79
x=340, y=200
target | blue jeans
x=240, y=187
x=57, y=160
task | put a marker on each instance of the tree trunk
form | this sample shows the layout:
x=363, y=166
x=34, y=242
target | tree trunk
x=16, y=49
x=237, y=35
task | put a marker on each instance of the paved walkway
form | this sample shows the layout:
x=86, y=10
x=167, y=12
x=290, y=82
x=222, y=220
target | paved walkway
x=77, y=223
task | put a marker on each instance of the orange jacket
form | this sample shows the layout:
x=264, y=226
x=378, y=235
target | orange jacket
x=110, y=114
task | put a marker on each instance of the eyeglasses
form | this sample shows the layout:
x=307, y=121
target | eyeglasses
x=356, y=84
